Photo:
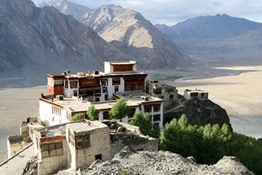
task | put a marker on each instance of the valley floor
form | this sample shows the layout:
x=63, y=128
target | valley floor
x=240, y=95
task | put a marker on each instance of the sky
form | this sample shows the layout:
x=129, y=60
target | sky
x=171, y=12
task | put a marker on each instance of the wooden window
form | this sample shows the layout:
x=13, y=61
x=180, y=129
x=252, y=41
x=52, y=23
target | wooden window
x=104, y=82
x=120, y=68
x=58, y=82
x=66, y=84
x=56, y=110
x=83, y=141
x=104, y=90
x=73, y=84
x=71, y=138
x=106, y=115
x=116, y=89
x=52, y=149
x=148, y=108
x=156, y=107
x=156, y=117
x=116, y=81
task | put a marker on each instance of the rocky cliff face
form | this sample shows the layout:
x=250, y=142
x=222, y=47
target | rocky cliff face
x=161, y=163
x=199, y=112
x=40, y=40
x=68, y=8
x=132, y=33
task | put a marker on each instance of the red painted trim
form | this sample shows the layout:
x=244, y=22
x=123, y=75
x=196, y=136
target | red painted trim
x=150, y=102
x=44, y=139
x=49, y=102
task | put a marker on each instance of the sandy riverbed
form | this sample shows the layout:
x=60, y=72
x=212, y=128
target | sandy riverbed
x=15, y=106
x=240, y=95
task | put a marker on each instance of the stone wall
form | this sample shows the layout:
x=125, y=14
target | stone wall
x=15, y=144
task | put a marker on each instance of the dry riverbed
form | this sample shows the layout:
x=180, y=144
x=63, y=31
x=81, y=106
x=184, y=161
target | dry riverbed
x=240, y=95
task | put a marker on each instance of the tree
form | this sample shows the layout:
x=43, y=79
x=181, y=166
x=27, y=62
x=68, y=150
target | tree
x=77, y=117
x=92, y=113
x=142, y=120
x=119, y=110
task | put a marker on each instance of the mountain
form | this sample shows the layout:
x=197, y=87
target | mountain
x=68, y=8
x=43, y=40
x=219, y=36
x=133, y=34
x=210, y=27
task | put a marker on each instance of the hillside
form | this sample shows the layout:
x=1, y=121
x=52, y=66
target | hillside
x=219, y=36
x=40, y=40
x=161, y=163
x=68, y=8
x=133, y=34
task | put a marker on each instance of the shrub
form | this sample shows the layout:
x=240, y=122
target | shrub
x=92, y=113
x=119, y=110
x=77, y=117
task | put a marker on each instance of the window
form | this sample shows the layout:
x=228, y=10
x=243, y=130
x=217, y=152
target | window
x=148, y=108
x=56, y=110
x=83, y=141
x=58, y=82
x=116, y=89
x=73, y=84
x=106, y=115
x=105, y=90
x=171, y=96
x=104, y=82
x=98, y=157
x=156, y=118
x=97, y=99
x=75, y=93
x=156, y=107
x=116, y=81
x=52, y=149
x=66, y=84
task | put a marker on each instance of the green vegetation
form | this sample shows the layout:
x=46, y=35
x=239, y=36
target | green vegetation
x=124, y=172
x=208, y=144
x=92, y=113
x=164, y=76
x=119, y=110
x=77, y=117
x=143, y=121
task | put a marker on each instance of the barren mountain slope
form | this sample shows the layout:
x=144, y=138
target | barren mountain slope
x=136, y=36
x=40, y=40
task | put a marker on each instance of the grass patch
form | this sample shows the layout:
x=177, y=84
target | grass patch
x=160, y=76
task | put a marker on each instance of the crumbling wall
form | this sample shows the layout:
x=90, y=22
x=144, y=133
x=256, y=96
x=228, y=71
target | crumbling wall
x=15, y=144
x=137, y=142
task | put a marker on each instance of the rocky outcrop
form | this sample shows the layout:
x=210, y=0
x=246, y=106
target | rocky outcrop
x=68, y=8
x=161, y=163
x=199, y=112
x=133, y=34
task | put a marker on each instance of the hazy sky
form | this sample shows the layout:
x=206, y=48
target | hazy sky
x=172, y=11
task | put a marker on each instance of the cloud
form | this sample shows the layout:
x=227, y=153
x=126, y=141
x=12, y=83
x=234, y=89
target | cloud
x=173, y=11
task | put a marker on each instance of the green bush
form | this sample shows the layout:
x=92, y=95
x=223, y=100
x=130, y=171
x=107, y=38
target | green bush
x=119, y=110
x=77, y=117
x=208, y=144
x=143, y=121
x=92, y=113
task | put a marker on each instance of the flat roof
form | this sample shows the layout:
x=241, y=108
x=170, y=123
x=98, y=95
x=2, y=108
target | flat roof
x=138, y=97
x=86, y=126
x=133, y=99
x=100, y=75
x=121, y=62
x=196, y=90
